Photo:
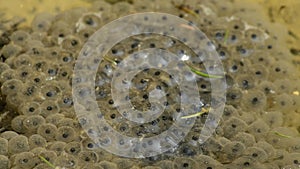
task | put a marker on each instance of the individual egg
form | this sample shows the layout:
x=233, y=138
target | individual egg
x=231, y=151
x=38, y=79
x=51, y=91
x=32, y=123
x=211, y=145
x=281, y=69
x=67, y=161
x=19, y=37
x=262, y=58
x=35, y=49
x=234, y=38
x=207, y=162
x=88, y=144
x=283, y=85
x=71, y=16
x=11, y=87
x=166, y=164
x=49, y=107
x=124, y=163
x=248, y=116
x=255, y=35
x=282, y=102
x=268, y=88
x=260, y=72
x=229, y=111
x=246, y=162
x=73, y=148
x=8, y=134
x=51, y=71
x=65, y=73
x=107, y=164
x=54, y=118
x=4, y=162
x=85, y=34
x=245, y=81
x=70, y=122
x=18, y=144
x=122, y=8
x=30, y=108
x=259, y=129
x=253, y=100
x=143, y=6
x=17, y=124
x=244, y=49
x=235, y=66
x=66, y=102
x=47, y=131
x=233, y=126
x=42, y=22
x=48, y=155
x=280, y=137
x=256, y=153
x=71, y=43
x=237, y=24
x=101, y=6
x=91, y=20
x=3, y=146
x=88, y=156
x=273, y=118
x=30, y=92
x=187, y=150
x=294, y=145
x=151, y=167
x=281, y=158
x=92, y=166
x=7, y=74
x=37, y=140
x=40, y=65
x=22, y=60
x=10, y=50
x=3, y=67
x=25, y=160
x=268, y=148
x=234, y=96
x=59, y=30
x=57, y=147
x=187, y=163
x=245, y=138
x=66, y=134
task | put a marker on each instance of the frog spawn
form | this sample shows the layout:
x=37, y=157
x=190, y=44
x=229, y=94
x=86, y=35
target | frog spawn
x=242, y=42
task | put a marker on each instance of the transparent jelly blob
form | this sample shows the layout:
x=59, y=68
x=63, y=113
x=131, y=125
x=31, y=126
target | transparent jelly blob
x=101, y=43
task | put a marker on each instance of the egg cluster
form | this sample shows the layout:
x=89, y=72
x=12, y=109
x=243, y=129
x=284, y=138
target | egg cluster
x=258, y=129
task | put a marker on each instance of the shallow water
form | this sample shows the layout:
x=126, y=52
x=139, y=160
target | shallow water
x=259, y=127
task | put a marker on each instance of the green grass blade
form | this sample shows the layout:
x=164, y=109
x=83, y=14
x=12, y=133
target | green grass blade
x=202, y=74
x=47, y=162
